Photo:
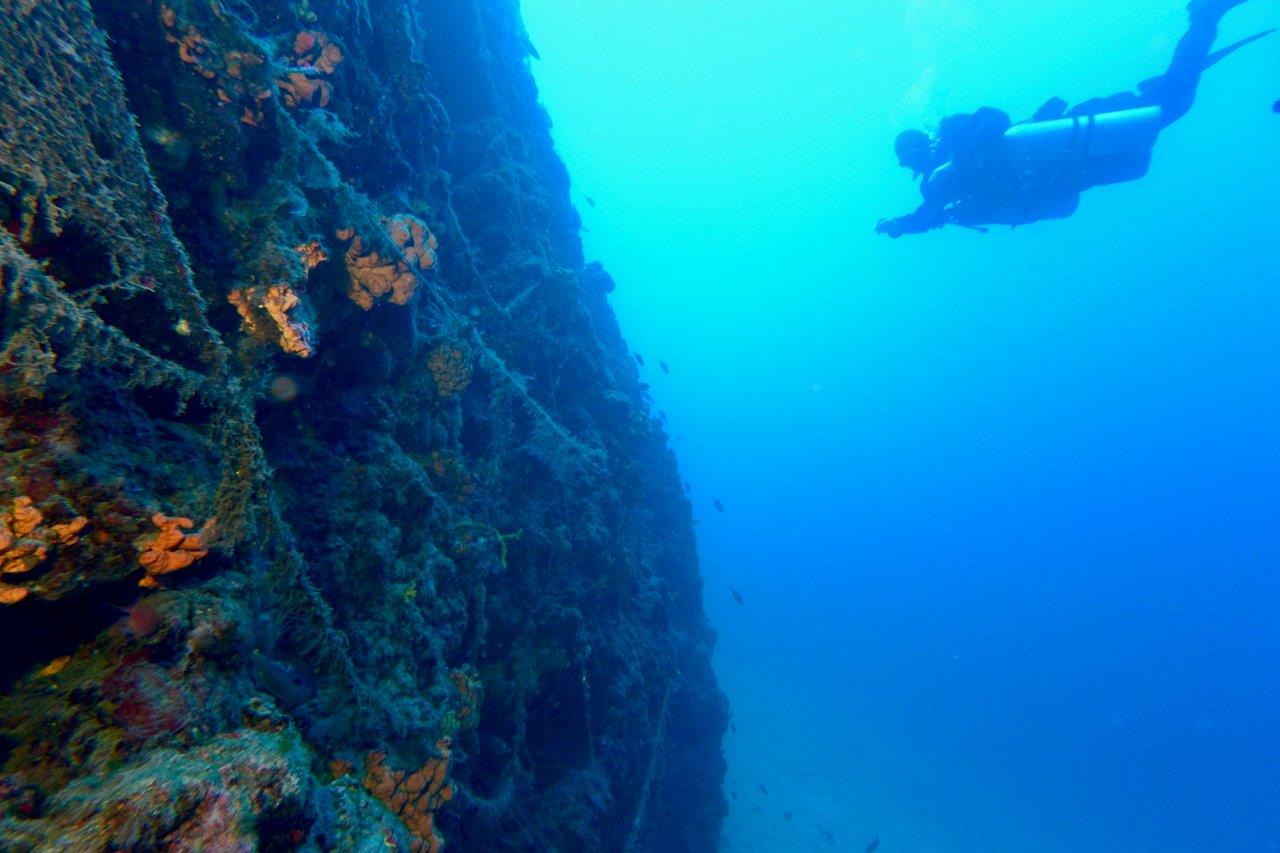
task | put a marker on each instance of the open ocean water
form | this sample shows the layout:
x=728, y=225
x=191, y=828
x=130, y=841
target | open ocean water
x=1002, y=508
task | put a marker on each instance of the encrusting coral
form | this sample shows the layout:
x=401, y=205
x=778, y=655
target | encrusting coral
x=25, y=541
x=314, y=49
x=314, y=55
x=265, y=312
x=449, y=369
x=24, y=518
x=311, y=254
x=371, y=276
x=227, y=71
x=10, y=594
x=452, y=476
x=299, y=90
x=416, y=243
x=414, y=797
x=171, y=549
x=191, y=43
x=468, y=685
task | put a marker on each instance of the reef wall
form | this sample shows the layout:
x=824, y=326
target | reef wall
x=332, y=511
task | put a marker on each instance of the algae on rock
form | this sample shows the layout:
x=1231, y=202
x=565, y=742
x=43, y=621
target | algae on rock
x=450, y=535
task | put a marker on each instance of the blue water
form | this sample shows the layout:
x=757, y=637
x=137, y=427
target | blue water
x=1003, y=507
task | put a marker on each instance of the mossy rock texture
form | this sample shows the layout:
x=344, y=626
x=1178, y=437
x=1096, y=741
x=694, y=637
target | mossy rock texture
x=333, y=512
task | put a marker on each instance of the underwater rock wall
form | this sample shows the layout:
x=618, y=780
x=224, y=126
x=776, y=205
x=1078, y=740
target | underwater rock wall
x=333, y=514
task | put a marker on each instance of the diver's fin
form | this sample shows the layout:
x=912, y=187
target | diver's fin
x=1219, y=55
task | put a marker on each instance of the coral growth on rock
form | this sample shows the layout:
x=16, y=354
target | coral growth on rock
x=414, y=797
x=265, y=313
x=449, y=369
x=25, y=542
x=315, y=56
x=297, y=89
x=452, y=476
x=371, y=276
x=452, y=532
x=237, y=792
x=314, y=49
x=311, y=254
x=229, y=71
x=171, y=549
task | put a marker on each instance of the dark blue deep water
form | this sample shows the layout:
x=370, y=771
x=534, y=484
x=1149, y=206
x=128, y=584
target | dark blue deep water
x=1002, y=508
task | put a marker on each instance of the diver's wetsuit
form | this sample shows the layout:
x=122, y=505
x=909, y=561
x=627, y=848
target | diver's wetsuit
x=1174, y=91
x=970, y=171
x=972, y=182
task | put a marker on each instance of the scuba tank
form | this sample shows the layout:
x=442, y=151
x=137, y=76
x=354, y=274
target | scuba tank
x=1085, y=151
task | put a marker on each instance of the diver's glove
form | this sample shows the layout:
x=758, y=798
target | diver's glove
x=892, y=227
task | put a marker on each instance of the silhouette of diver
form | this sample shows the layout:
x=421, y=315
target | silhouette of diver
x=981, y=169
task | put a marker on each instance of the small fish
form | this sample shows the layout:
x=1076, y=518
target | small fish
x=787, y=815
x=141, y=620
x=733, y=795
x=161, y=136
x=763, y=789
x=289, y=683
x=639, y=358
x=716, y=503
x=664, y=367
x=737, y=596
x=176, y=149
x=758, y=810
x=662, y=416
x=591, y=201
x=872, y=846
x=733, y=728
x=827, y=835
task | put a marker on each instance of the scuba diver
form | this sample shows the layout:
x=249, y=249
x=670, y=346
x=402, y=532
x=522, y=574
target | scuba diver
x=981, y=169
